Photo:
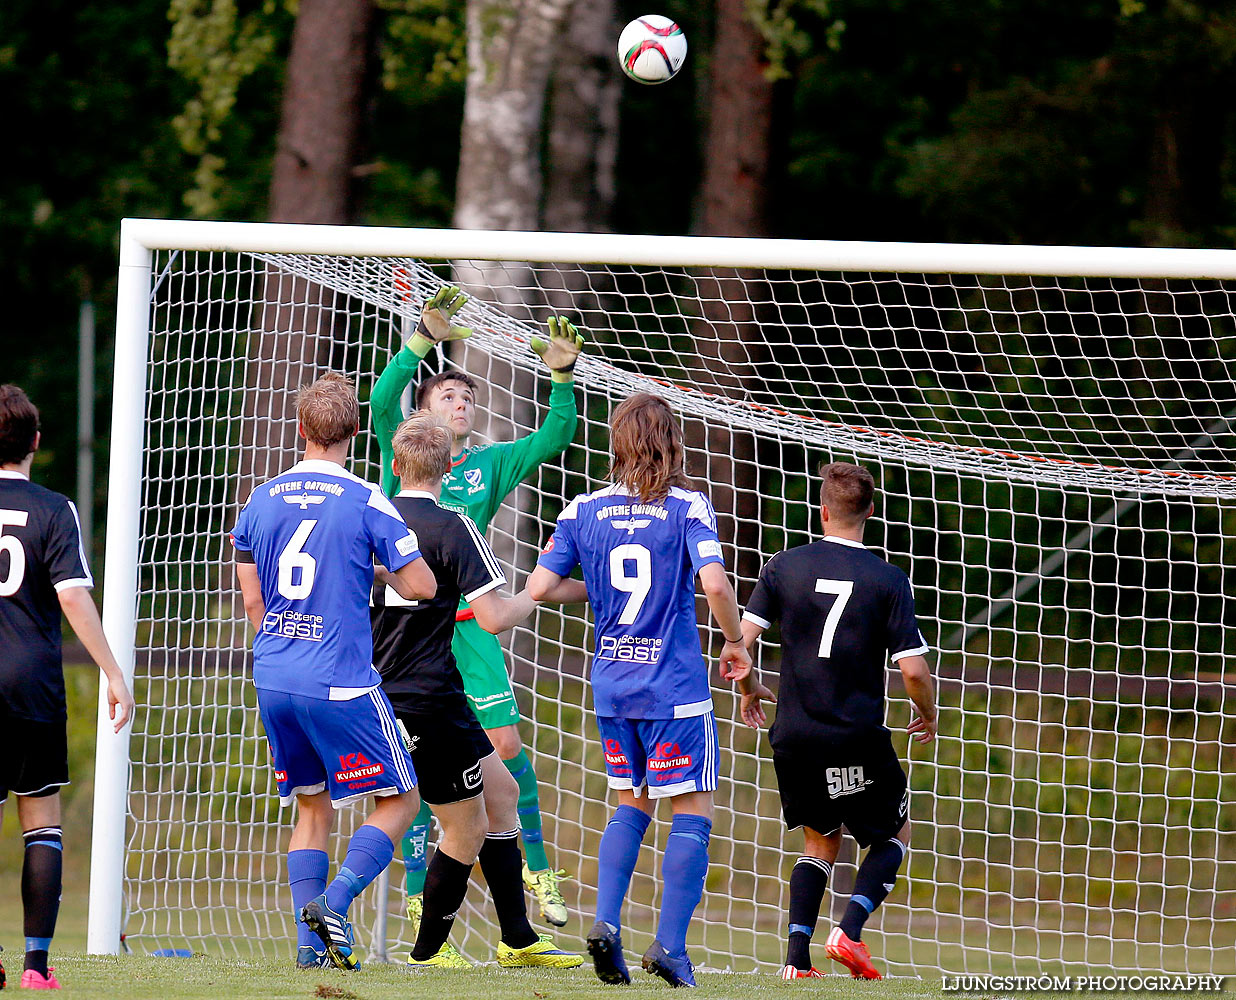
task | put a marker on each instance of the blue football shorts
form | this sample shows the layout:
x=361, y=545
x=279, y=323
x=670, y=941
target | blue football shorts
x=350, y=748
x=669, y=756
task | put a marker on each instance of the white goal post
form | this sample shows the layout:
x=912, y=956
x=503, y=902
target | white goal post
x=1052, y=431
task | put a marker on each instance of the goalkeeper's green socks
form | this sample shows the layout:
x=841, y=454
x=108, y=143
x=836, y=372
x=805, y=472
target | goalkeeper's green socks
x=414, y=847
x=529, y=809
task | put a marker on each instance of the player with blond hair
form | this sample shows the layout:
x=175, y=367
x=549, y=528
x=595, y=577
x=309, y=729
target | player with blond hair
x=461, y=776
x=641, y=543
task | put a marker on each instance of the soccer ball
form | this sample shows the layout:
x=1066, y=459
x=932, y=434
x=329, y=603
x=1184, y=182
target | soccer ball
x=652, y=49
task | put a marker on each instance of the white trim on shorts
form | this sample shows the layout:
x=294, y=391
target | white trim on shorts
x=625, y=784
x=693, y=709
x=350, y=693
x=287, y=800
x=709, y=782
x=50, y=784
x=377, y=793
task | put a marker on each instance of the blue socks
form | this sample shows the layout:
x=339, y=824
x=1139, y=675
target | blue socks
x=616, y=857
x=682, y=874
x=307, y=879
x=369, y=852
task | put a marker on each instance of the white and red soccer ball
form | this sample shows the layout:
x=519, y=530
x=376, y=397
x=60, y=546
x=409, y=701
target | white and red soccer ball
x=652, y=49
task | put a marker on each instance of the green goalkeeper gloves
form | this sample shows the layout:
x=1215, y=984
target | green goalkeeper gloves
x=435, y=326
x=562, y=349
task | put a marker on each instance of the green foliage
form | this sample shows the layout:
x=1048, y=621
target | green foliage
x=89, y=97
x=425, y=45
x=215, y=48
x=777, y=21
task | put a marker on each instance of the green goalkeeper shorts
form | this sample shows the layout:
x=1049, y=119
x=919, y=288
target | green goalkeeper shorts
x=482, y=665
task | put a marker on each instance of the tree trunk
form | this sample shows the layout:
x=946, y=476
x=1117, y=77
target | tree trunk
x=509, y=54
x=728, y=337
x=1184, y=175
x=583, y=129
x=499, y=187
x=582, y=148
x=318, y=145
x=319, y=131
x=736, y=157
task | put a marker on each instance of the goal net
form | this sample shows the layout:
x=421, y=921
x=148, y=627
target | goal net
x=1053, y=458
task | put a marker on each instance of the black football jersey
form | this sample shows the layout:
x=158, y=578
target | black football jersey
x=412, y=639
x=40, y=554
x=843, y=611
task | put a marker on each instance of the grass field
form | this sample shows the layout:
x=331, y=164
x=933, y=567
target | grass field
x=185, y=978
x=215, y=973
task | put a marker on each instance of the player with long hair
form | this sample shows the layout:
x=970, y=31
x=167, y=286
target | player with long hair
x=641, y=542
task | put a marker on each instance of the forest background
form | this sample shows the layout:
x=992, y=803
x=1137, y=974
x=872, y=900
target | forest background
x=1102, y=122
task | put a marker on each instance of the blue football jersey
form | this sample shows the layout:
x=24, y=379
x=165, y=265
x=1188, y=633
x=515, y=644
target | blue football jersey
x=639, y=563
x=313, y=533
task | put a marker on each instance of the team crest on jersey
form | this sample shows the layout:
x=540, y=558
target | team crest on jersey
x=473, y=478
x=304, y=500
x=668, y=757
x=844, y=781
x=631, y=524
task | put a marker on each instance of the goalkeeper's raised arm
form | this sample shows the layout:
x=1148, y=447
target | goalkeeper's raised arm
x=479, y=479
x=511, y=462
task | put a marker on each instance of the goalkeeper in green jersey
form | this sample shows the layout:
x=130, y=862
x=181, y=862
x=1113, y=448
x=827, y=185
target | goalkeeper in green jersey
x=481, y=476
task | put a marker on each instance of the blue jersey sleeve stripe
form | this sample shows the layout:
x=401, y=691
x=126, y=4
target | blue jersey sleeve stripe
x=379, y=501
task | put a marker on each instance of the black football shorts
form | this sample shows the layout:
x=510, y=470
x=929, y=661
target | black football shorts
x=34, y=757
x=862, y=788
x=447, y=750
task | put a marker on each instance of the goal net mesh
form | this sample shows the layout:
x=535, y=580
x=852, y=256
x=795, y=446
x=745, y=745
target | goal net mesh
x=1053, y=459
